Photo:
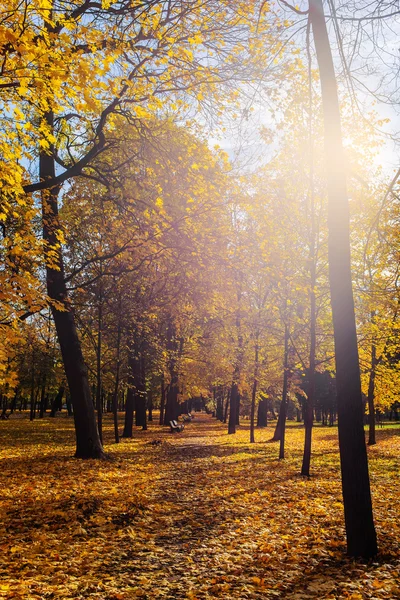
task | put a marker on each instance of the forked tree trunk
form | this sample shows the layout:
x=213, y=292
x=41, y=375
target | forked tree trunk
x=360, y=530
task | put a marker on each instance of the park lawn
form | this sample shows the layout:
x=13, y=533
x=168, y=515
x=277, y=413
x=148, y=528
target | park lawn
x=199, y=515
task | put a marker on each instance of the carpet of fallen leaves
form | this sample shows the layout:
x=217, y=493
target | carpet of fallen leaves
x=199, y=515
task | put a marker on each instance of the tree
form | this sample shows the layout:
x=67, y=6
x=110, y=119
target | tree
x=360, y=530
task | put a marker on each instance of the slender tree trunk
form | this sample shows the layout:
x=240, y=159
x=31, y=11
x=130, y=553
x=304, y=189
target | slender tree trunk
x=254, y=393
x=227, y=401
x=309, y=401
x=371, y=397
x=175, y=352
x=162, y=401
x=99, y=406
x=117, y=371
x=284, y=395
x=32, y=413
x=220, y=403
x=279, y=432
x=360, y=530
x=88, y=444
x=150, y=405
x=233, y=404
x=130, y=397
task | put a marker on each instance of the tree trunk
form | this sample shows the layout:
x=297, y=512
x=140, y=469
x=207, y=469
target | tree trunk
x=175, y=351
x=254, y=393
x=141, y=396
x=32, y=413
x=233, y=403
x=220, y=403
x=371, y=397
x=130, y=398
x=99, y=406
x=162, y=401
x=279, y=432
x=227, y=401
x=117, y=372
x=360, y=530
x=88, y=444
x=262, y=413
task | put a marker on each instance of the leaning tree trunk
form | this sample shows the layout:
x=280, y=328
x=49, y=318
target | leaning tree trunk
x=360, y=530
x=88, y=444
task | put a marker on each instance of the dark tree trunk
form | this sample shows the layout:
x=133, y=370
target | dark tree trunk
x=43, y=397
x=141, y=396
x=99, y=407
x=57, y=402
x=162, y=401
x=175, y=351
x=262, y=413
x=284, y=395
x=88, y=444
x=279, y=433
x=14, y=401
x=33, y=403
x=233, y=404
x=220, y=403
x=254, y=393
x=238, y=408
x=130, y=398
x=150, y=405
x=227, y=401
x=360, y=530
x=117, y=371
x=371, y=397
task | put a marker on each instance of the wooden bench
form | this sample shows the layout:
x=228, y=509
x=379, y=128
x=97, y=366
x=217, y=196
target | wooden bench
x=175, y=426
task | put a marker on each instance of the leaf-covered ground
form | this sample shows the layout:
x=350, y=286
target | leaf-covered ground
x=200, y=515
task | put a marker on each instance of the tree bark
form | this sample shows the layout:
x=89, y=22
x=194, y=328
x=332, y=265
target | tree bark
x=279, y=432
x=88, y=444
x=117, y=371
x=233, y=403
x=254, y=393
x=175, y=352
x=162, y=401
x=99, y=406
x=130, y=398
x=360, y=530
x=371, y=397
